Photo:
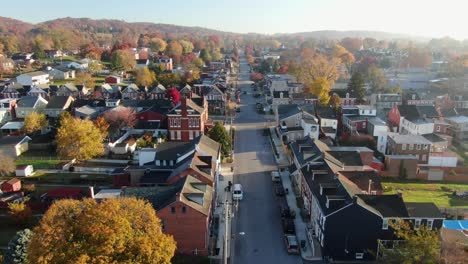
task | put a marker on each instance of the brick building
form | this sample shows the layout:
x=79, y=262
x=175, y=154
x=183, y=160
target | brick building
x=187, y=121
x=415, y=145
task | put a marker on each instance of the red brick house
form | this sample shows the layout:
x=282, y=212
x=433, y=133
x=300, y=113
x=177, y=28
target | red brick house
x=157, y=92
x=185, y=212
x=187, y=120
x=12, y=185
x=199, y=167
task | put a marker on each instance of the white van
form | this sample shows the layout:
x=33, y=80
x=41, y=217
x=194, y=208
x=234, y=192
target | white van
x=237, y=193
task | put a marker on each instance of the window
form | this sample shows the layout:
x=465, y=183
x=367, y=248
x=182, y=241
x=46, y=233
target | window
x=178, y=135
x=418, y=146
x=385, y=224
x=410, y=146
x=417, y=224
x=173, y=210
x=364, y=125
x=184, y=209
x=423, y=157
x=430, y=222
x=158, y=163
x=425, y=146
x=190, y=134
x=438, y=128
x=359, y=255
x=172, y=135
x=403, y=146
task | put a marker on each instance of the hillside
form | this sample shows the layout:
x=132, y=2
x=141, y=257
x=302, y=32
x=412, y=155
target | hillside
x=14, y=26
x=335, y=34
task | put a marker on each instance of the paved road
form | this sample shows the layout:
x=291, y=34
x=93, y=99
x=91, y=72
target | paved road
x=258, y=213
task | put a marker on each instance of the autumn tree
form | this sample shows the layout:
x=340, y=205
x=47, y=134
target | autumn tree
x=169, y=79
x=122, y=60
x=205, y=56
x=8, y=164
x=173, y=95
x=124, y=230
x=319, y=66
x=419, y=246
x=219, y=134
x=77, y=138
x=335, y=101
x=418, y=58
x=307, y=53
x=34, y=122
x=17, y=250
x=157, y=44
x=101, y=124
x=119, y=118
x=346, y=57
x=250, y=59
x=85, y=78
x=187, y=46
x=356, y=87
x=20, y=211
x=377, y=80
x=174, y=50
x=91, y=51
x=352, y=44
x=370, y=43
x=145, y=77
x=321, y=88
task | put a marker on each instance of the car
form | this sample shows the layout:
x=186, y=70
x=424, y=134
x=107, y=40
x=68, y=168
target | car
x=288, y=225
x=237, y=109
x=275, y=176
x=292, y=246
x=287, y=212
x=279, y=190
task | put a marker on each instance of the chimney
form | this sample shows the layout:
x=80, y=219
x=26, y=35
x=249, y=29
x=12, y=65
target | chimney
x=400, y=193
x=91, y=192
x=183, y=106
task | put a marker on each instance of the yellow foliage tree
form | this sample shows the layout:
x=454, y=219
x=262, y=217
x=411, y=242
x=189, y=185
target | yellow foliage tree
x=145, y=77
x=124, y=230
x=78, y=139
x=103, y=126
x=321, y=88
x=7, y=164
x=19, y=211
x=34, y=122
x=319, y=66
x=85, y=78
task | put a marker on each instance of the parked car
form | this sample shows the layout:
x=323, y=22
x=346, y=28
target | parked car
x=288, y=225
x=275, y=176
x=279, y=190
x=292, y=246
x=238, y=110
x=287, y=212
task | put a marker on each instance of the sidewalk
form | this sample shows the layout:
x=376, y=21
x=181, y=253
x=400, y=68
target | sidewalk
x=311, y=252
x=222, y=195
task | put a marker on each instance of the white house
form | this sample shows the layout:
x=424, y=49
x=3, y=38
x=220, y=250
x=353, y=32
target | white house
x=417, y=126
x=24, y=170
x=33, y=78
x=6, y=107
x=379, y=130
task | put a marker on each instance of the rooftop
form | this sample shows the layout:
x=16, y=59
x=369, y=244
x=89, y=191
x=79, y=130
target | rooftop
x=408, y=139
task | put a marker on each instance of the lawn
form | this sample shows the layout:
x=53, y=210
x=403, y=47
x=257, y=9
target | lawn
x=42, y=164
x=439, y=193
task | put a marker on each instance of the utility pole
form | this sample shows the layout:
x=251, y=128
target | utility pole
x=226, y=219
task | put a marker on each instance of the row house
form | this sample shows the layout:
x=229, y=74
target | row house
x=61, y=73
x=14, y=90
x=416, y=145
x=377, y=128
x=358, y=122
x=458, y=129
x=106, y=91
x=412, y=119
x=328, y=120
x=384, y=102
x=40, y=90
x=133, y=92
x=296, y=122
x=215, y=97
x=157, y=92
x=187, y=120
x=414, y=98
x=57, y=105
x=70, y=89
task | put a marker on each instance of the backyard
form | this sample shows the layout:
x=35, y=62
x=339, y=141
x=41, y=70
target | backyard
x=440, y=193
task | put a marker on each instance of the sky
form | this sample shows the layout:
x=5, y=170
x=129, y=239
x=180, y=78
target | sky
x=429, y=18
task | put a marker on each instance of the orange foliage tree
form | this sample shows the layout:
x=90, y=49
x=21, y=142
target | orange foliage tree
x=124, y=230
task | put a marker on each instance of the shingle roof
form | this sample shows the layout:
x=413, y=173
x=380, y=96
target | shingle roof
x=57, y=102
x=172, y=150
x=27, y=101
x=347, y=158
x=434, y=138
x=361, y=179
x=408, y=139
x=287, y=110
x=426, y=210
x=390, y=205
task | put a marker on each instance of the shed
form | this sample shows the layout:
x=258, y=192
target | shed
x=24, y=170
x=12, y=185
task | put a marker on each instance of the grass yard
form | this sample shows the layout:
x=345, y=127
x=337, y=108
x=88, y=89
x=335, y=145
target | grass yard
x=439, y=193
x=42, y=164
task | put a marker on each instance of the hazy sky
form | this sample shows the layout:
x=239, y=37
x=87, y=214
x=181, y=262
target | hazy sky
x=419, y=17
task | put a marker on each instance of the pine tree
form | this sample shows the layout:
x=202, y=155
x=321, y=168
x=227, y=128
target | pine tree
x=356, y=86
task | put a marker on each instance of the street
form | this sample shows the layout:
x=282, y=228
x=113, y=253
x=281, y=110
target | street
x=258, y=217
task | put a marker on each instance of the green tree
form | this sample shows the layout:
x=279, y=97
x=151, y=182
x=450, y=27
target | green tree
x=38, y=47
x=356, y=86
x=321, y=88
x=34, y=122
x=187, y=46
x=377, y=80
x=122, y=60
x=219, y=134
x=205, y=56
x=16, y=252
x=169, y=79
x=419, y=246
x=78, y=139
x=145, y=77
x=113, y=231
